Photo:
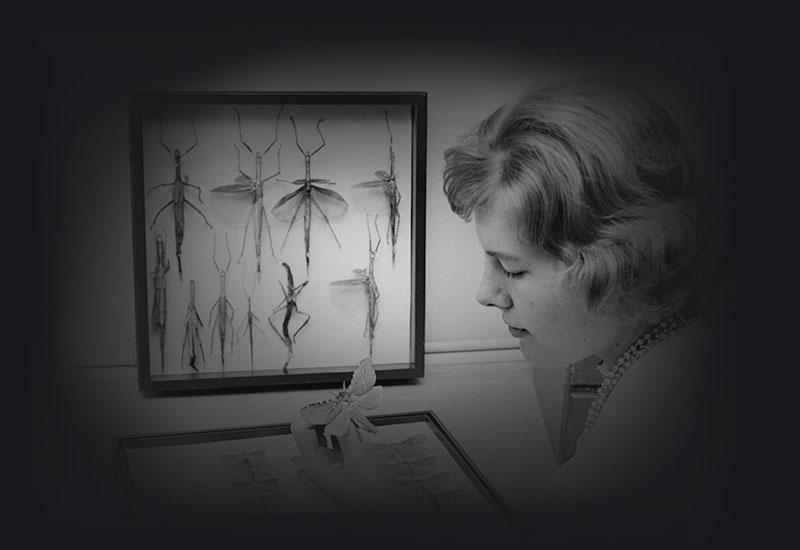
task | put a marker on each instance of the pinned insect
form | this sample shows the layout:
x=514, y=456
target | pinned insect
x=246, y=467
x=290, y=312
x=439, y=501
x=311, y=198
x=222, y=307
x=361, y=287
x=179, y=199
x=412, y=447
x=248, y=193
x=337, y=413
x=159, y=314
x=401, y=466
x=249, y=323
x=412, y=485
x=382, y=195
x=191, y=334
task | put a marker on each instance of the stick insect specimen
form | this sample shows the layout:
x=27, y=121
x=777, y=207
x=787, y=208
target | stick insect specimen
x=191, y=335
x=179, y=200
x=290, y=310
x=364, y=285
x=248, y=192
x=382, y=195
x=249, y=323
x=222, y=307
x=159, y=315
x=311, y=198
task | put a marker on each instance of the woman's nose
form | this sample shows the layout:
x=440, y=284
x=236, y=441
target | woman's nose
x=492, y=291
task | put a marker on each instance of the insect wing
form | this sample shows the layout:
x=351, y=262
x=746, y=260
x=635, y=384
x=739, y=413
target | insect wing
x=371, y=399
x=383, y=174
x=350, y=295
x=373, y=196
x=233, y=204
x=339, y=425
x=321, y=413
x=330, y=202
x=362, y=421
x=363, y=378
x=287, y=207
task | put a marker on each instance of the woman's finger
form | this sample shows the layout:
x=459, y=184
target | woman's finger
x=306, y=438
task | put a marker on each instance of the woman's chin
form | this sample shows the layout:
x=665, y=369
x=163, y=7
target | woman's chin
x=538, y=357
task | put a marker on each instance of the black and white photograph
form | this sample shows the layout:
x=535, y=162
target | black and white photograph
x=380, y=285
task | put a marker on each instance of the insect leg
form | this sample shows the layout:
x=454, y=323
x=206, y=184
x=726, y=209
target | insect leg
x=269, y=230
x=160, y=185
x=198, y=211
x=308, y=318
x=294, y=218
x=159, y=213
x=325, y=217
x=199, y=191
x=244, y=235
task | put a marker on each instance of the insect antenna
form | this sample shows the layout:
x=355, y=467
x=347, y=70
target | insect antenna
x=239, y=119
x=274, y=141
x=194, y=127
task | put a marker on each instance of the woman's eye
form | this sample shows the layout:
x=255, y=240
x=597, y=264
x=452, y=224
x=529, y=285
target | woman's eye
x=511, y=274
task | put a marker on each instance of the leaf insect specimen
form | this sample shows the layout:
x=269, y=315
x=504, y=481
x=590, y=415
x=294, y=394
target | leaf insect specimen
x=248, y=193
x=310, y=198
x=179, y=200
x=382, y=195
x=337, y=413
x=191, y=335
x=159, y=314
x=249, y=323
x=290, y=311
x=222, y=307
x=363, y=284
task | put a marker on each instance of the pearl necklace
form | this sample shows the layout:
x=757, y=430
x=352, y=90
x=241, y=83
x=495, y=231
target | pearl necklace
x=666, y=327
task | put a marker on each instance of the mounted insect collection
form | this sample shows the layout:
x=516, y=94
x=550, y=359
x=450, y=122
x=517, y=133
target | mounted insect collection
x=256, y=475
x=278, y=237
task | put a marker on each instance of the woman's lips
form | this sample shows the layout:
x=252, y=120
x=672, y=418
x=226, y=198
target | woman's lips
x=517, y=332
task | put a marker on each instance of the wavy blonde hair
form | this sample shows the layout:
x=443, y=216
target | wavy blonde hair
x=600, y=178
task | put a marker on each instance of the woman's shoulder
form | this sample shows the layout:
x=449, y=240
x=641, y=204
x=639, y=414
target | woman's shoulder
x=656, y=438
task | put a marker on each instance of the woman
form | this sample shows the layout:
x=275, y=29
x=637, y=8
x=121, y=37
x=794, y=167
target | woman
x=598, y=244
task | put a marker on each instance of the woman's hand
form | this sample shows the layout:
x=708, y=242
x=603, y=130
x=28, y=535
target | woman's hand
x=346, y=476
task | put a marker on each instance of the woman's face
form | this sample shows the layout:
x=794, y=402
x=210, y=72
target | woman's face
x=552, y=322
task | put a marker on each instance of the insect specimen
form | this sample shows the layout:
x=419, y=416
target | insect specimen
x=249, y=323
x=179, y=200
x=337, y=413
x=248, y=193
x=413, y=447
x=191, y=334
x=416, y=487
x=159, y=315
x=362, y=285
x=311, y=198
x=400, y=466
x=439, y=501
x=382, y=195
x=290, y=312
x=222, y=307
x=246, y=467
